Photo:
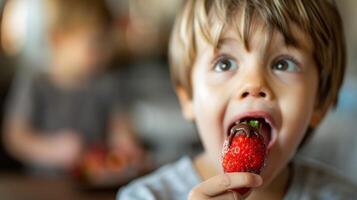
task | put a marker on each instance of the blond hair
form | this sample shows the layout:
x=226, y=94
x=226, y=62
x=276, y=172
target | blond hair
x=67, y=14
x=317, y=18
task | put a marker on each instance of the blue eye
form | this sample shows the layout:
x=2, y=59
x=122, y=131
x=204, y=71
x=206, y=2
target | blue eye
x=287, y=65
x=225, y=64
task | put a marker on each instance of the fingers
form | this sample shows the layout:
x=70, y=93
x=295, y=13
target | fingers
x=221, y=185
x=228, y=195
x=229, y=181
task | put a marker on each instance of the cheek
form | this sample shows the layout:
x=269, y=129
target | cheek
x=208, y=111
x=209, y=108
x=297, y=107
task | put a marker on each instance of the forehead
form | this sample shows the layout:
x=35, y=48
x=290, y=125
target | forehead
x=253, y=31
x=262, y=36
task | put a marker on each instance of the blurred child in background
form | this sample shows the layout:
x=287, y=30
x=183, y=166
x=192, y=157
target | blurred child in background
x=75, y=105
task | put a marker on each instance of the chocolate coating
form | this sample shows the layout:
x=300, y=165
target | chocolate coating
x=243, y=128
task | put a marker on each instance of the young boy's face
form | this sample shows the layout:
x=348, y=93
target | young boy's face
x=271, y=80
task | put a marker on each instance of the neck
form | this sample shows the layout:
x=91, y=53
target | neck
x=275, y=190
x=65, y=81
x=64, y=76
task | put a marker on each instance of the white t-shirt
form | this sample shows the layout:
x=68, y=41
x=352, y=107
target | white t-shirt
x=175, y=181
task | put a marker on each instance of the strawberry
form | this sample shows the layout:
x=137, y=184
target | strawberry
x=244, y=150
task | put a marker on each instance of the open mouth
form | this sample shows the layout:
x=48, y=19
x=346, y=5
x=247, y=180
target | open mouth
x=264, y=127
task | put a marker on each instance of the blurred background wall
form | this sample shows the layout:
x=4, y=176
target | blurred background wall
x=142, y=31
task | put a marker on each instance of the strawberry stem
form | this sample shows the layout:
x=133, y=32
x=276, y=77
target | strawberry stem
x=253, y=123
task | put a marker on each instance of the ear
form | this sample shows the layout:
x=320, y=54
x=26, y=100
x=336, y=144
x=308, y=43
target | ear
x=186, y=103
x=318, y=115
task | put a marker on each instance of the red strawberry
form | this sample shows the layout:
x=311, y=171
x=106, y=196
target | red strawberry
x=244, y=151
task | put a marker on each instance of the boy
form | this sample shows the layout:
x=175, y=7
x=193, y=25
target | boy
x=73, y=105
x=278, y=61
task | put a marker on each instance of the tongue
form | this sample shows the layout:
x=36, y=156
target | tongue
x=262, y=128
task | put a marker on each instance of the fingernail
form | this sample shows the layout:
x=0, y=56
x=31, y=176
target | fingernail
x=258, y=180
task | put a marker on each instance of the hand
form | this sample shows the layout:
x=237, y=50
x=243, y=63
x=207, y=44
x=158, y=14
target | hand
x=131, y=149
x=221, y=186
x=128, y=146
x=123, y=141
x=65, y=148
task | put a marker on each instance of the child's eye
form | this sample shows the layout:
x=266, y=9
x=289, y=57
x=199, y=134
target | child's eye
x=225, y=64
x=286, y=64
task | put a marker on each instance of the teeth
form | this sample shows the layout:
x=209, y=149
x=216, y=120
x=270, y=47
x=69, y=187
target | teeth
x=260, y=119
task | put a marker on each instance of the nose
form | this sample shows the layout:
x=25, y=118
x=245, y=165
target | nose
x=254, y=93
x=255, y=88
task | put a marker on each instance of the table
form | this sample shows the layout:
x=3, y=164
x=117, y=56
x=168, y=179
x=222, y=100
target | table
x=20, y=186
